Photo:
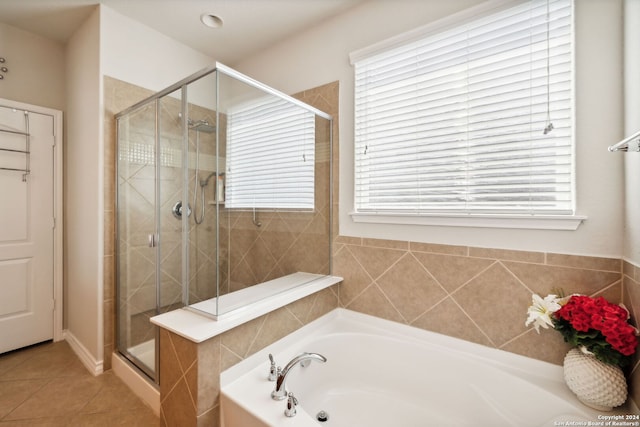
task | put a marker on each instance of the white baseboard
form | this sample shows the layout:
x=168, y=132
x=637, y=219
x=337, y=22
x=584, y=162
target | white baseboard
x=94, y=366
x=139, y=385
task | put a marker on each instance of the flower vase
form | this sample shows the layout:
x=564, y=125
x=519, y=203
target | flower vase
x=597, y=384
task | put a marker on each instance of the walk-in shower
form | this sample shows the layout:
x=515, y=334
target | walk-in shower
x=222, y=183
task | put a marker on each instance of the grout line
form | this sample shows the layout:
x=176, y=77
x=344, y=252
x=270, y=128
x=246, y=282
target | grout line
x=474, y=322
x=390, y=303
x=194, y=401
x=255, y=337
x=431, y=308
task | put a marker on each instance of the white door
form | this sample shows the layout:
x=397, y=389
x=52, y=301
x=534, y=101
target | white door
x=26, y=228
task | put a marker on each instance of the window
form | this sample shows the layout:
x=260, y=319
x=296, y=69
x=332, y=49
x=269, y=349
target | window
x=270, y=156
x=454, y=122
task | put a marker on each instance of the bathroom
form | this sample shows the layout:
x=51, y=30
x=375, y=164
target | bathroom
x=601, y=256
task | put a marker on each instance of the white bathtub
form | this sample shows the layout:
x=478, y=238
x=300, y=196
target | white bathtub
x=381, y=373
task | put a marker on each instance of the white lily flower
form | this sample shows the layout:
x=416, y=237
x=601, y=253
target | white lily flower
x=541, y=310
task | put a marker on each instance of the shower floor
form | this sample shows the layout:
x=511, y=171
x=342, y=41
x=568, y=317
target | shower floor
x=145, y=352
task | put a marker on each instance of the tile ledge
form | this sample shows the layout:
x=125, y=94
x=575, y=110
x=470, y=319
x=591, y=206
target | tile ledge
x=198, y=327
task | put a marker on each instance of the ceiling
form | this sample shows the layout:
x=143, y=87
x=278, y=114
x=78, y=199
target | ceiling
x=248, y=25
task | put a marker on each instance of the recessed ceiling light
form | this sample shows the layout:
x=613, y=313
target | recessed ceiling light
x=211, y=20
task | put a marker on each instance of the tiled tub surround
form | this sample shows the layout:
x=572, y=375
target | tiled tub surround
x=480, y=295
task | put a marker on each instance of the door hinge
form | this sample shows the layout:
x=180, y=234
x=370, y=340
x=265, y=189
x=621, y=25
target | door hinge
x=53, y=222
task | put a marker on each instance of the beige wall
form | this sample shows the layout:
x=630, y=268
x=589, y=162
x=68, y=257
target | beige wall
x=83, y=192
x=321, y=55
x=36, y=68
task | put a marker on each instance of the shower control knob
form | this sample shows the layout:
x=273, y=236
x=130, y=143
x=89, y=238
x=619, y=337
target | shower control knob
x=177, y=210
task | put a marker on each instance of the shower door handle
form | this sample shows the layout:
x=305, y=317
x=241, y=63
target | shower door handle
x=153, y=240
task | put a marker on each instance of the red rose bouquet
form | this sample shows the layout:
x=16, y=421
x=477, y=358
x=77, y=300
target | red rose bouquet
x=593, y=324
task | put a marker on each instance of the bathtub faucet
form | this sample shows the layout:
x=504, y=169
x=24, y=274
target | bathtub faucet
x=304, y=359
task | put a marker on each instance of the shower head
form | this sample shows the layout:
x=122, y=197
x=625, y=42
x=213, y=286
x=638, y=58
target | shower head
x=199, y=126
x=202, y=126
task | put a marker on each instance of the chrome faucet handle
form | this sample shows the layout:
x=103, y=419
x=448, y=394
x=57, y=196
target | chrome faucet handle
x=273, y=370
x=292, y=402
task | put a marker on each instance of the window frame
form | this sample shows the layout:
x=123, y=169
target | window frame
x=570, y=221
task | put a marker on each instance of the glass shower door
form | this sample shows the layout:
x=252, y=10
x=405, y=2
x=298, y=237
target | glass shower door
x=136, y=237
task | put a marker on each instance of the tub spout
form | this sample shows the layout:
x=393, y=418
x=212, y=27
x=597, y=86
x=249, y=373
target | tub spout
x=280, y=391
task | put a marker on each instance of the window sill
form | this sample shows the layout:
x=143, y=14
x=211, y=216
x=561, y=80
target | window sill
x=539, y=222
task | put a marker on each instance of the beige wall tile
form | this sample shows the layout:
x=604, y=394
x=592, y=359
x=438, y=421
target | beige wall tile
x=209, y=368
x=277, y=324
x=348, y=240
x=170, y=369
x=313, y=306
x=178, y=408
x=543, y=279
x=452, y=271
x=497, y=303
x=612, y=293
x=502, y=254
x=586, y=262
x=449, y=319
x=186, y=351
x=375, y=261
x=373, y=301
x=547, y=346
x=228, y=358
x=389, y=244
x=211, y=418
x=438, y=249
x=411, y=290
x=239, y=339
x=628, y=269
x=355, y=278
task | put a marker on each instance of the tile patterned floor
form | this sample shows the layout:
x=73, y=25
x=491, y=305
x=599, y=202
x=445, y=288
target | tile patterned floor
x=47, y=385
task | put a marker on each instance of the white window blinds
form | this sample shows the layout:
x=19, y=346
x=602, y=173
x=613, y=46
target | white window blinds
x=453, y=122
x=270, y=156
